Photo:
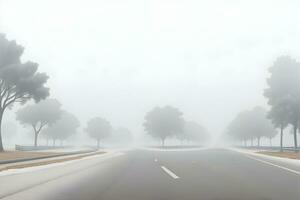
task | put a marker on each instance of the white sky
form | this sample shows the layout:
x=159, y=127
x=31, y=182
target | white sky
x=119, y=58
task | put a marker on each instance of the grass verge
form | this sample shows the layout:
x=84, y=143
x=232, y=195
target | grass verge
x=12, y=155
x=47, y=162
x=292, y=155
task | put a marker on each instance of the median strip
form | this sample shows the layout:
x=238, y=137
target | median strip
x=47, y=162
x=291, y=155
x=31, y=156
x=170, y=173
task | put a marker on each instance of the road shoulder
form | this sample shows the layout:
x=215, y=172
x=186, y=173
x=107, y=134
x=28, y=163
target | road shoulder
x=287, y=164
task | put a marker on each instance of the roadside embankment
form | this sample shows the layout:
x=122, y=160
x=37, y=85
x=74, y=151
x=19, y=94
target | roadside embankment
x=291, y=155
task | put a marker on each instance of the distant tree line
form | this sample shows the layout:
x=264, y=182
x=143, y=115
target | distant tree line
x=20, y=82
x=283, y=96
x=65, y=127
x=168, y=122
x=251, y=125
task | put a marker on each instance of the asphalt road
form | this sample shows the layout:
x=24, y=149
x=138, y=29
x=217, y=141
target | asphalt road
x=212, y=174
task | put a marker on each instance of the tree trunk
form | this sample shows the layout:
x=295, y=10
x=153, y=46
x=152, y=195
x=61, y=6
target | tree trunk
x=98, y=144
x=270, y=142
x=281, y=138
x=1, y=145
x=54, y=140
x=295, y=137
x=36, y=133
x=258, y=142
x=251, y=142
x=35, y=138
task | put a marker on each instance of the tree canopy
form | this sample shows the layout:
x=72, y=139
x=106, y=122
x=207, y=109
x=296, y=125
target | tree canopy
x=63, y=128
x=283, y=94
x=164, y=122
x=39, y=115
x=98, y=128
x=251, y=124
x=195, y=132
x=19, y=81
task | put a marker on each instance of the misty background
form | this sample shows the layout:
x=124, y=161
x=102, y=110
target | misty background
x=118, y=59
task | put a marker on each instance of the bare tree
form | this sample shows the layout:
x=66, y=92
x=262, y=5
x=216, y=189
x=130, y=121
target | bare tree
x=19, y=82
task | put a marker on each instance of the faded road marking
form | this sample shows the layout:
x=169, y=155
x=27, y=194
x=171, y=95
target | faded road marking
x=170, y=173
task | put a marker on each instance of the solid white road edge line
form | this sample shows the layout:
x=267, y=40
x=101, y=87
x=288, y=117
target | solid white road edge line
x=169, y=172
x=274, y=165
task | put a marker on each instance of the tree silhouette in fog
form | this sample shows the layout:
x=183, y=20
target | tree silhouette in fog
x=251, y=124
x=194, y=132
x=19, y=82
x=40, y=115
x=62, y=128
x=283, y=94
x=98, y=128
x=164, y=122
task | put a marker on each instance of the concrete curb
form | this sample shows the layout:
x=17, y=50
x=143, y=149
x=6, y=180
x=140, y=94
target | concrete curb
x=45, y=157
x=269, y=157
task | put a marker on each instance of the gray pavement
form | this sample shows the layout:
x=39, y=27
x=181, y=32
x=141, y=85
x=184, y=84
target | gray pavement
x=211, y=174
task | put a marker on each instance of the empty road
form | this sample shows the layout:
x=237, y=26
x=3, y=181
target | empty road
x=211, y=174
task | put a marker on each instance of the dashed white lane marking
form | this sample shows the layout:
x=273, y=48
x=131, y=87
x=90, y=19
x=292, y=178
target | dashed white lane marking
x=169, y=172
x=274, y=165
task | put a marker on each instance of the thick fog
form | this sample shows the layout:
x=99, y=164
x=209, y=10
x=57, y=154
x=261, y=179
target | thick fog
x=118, y=59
